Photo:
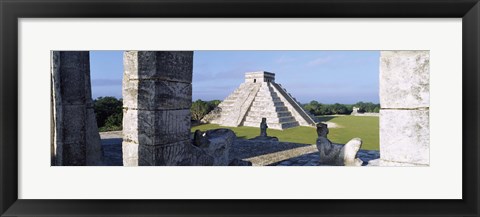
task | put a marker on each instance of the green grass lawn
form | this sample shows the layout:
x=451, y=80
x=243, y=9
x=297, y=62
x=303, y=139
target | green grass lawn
x=364, y=127
x=351, y=126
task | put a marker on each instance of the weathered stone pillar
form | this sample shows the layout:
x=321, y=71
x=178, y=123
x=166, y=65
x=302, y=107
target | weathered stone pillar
x=157, y=96
x=76, y=141
x=404, y=113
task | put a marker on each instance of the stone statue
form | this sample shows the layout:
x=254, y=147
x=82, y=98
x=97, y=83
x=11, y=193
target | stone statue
x=212, y=147
x=336, y=154
x=263, y=127
x=200, y=139
x=263, y=133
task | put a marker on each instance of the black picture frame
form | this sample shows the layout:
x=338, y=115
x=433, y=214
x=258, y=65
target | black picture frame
x=12, y=10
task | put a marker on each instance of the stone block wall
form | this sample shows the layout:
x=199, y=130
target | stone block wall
x=260, y=76
x=75, y=137
x=405, y=105
x=157, y=96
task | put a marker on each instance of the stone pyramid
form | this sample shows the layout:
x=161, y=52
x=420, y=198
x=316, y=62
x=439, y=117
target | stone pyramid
x=260, y=97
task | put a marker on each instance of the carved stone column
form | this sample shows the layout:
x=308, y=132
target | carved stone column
x=76, y=141
x=405, y=106
x=157, y=96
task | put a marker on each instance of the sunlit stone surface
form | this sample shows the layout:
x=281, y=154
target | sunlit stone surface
x=405, y=105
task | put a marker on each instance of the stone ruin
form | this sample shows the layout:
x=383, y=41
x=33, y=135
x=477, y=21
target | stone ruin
x=404, y=108
x=337, y=154
x=75, y=138
x=263, y=133
x=355, y=111
x=258, y=97
x=157, y=97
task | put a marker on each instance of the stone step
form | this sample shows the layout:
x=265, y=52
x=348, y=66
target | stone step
x=285, y=125
x=264, y=89
x=226, y=108
x=236, y=95
x=228, y=102
x=241, y=90
x=269, y=113
x=267, y=104
x=269, y=109
x=278, y=126
x=231, y=97
x=266, y=94
x=258, y=119
x=267, y=98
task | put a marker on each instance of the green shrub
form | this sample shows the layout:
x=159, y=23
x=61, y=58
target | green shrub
x=109, y=113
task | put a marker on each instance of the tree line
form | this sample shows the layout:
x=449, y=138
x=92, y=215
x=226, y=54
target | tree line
x=317, y=108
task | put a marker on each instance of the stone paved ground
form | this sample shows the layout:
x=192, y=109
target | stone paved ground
x=285, y=154
x=313, y=158
x=112, y=148
x=260, y=153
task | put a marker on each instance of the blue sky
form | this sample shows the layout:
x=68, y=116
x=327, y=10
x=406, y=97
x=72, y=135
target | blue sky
x=325, y=76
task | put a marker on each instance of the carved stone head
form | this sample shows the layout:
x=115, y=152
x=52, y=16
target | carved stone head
x=200, y=139
x=322, y=130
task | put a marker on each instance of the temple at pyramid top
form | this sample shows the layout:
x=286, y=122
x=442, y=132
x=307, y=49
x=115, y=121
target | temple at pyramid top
x=260, y=97
x=260, y=76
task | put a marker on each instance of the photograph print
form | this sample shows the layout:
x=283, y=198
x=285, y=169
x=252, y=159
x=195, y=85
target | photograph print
x=240, y=108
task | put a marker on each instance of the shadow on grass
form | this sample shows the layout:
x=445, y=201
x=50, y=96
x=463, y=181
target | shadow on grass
x=325, y=118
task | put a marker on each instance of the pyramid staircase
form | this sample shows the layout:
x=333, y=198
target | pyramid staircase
x=268, y=105
x=234, y=107
x=260, y=97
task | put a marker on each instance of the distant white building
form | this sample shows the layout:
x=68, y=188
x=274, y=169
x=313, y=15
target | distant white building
x=356, y=113
x=354, y=110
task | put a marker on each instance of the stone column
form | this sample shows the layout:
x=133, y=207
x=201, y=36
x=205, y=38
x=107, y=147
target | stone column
x=404, y=113
x=157, y=96
x=76, y=141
